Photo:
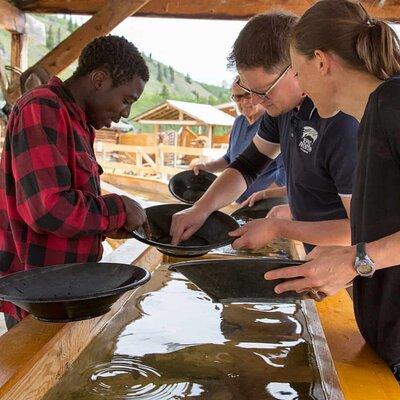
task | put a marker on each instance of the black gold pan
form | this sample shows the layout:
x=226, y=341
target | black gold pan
x=237, y=280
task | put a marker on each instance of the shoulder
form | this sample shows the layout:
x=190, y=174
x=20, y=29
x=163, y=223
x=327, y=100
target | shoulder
x=388, y=93
x=341, y=126
x=41, y=96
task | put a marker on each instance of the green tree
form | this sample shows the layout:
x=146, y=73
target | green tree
x=165, y=71
x=70, y=26
x=164, y=92
x=196, y=95
x=159, y=73
x=50, y=38
x=58, y=35
x=172, y=74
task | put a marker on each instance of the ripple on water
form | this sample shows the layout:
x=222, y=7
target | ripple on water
x=131, y=379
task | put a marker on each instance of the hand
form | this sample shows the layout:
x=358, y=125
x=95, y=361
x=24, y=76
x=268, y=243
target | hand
x=256, y=234
x=282, y=211
x=197, y=167
x=257, y=196
x=135, y=216
x=330, y=269
x=185, y=223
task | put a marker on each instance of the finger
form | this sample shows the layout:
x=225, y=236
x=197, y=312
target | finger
x=295, y=285
x=285, y=273
x=315, y=252
x=176, y=233
x=147, y=229
x=238, y=232
x=252, y=201
x=189, y=232
x=239, y=243
x=245, y=202
x=196, y=169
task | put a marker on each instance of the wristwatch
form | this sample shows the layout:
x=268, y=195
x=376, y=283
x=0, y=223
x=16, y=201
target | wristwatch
x=363, y=265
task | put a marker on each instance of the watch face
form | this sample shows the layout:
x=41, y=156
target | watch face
x=364, y=268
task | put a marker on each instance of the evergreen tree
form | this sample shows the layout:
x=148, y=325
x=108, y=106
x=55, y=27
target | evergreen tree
x=188, y=79
x=159, y=73
x=58, y=35
x=165, y=71
x=196, y=95
x=165, y=92
x=70, y=26
x=172, y=74
x=50, y=38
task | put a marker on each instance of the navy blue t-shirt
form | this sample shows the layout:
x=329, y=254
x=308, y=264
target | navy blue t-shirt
x=241, y=136
x=320, y=159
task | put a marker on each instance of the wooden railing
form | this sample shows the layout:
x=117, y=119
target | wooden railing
x=142, y=161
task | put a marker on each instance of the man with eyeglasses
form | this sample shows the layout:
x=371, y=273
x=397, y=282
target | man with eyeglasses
x=319, y=154
x=244, y=129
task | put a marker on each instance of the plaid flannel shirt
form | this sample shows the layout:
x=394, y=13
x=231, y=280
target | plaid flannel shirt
x=51, y=210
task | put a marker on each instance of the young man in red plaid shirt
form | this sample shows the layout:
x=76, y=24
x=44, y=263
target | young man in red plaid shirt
x=51, y=209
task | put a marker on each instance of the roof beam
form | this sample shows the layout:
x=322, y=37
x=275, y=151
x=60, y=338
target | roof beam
x=11, y=18
x=106, y=19
x=217, y=9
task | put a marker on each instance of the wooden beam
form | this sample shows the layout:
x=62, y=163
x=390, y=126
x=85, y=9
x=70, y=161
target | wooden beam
x=217, y=9
x=19, y=53
x=11, y=18
x=105, y=20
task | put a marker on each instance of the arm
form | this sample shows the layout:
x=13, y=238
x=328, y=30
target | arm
x=225, y=189
x=46, y=199
x=273, y=191
x=212, y=166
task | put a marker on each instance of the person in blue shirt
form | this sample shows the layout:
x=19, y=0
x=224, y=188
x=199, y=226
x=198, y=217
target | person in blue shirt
x=244, y=129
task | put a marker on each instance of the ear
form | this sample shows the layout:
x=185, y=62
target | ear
x=99, y=79
x=323, y=61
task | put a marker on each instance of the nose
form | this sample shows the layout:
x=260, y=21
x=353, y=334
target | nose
x=255, y=99
x=126, y=111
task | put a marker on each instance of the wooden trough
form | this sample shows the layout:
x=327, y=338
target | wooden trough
x=34, y=355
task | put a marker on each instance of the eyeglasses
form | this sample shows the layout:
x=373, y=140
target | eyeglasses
x=269, y=90
x=238, y=97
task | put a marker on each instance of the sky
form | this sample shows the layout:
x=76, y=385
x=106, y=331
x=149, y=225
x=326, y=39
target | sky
x=197, y=47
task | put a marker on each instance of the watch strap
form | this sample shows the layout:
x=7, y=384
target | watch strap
x=361, y=251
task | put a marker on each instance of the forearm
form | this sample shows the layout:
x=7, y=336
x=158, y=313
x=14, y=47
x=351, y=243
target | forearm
x=225, y=189
x=74, y=213
x=320, y=233
x=217, y=165
x=277, y=191
x=385, y=252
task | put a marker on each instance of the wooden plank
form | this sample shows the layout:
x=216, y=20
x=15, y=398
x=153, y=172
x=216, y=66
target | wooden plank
x=217, y=9
x=362, y=374
x=11, y=18
x=35, y=354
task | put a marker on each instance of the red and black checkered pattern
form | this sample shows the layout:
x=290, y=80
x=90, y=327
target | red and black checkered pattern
x=51, y=210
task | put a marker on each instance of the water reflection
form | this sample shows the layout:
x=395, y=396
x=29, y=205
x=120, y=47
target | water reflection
x=184, y=346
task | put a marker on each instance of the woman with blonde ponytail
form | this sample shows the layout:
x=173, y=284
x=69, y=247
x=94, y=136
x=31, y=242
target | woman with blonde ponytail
x=347, y=61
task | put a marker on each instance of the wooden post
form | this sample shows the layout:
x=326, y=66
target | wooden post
x=106, y=19
x=19, y=53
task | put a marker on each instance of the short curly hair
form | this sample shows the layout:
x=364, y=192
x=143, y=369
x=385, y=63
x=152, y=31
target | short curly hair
x=119, y=57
